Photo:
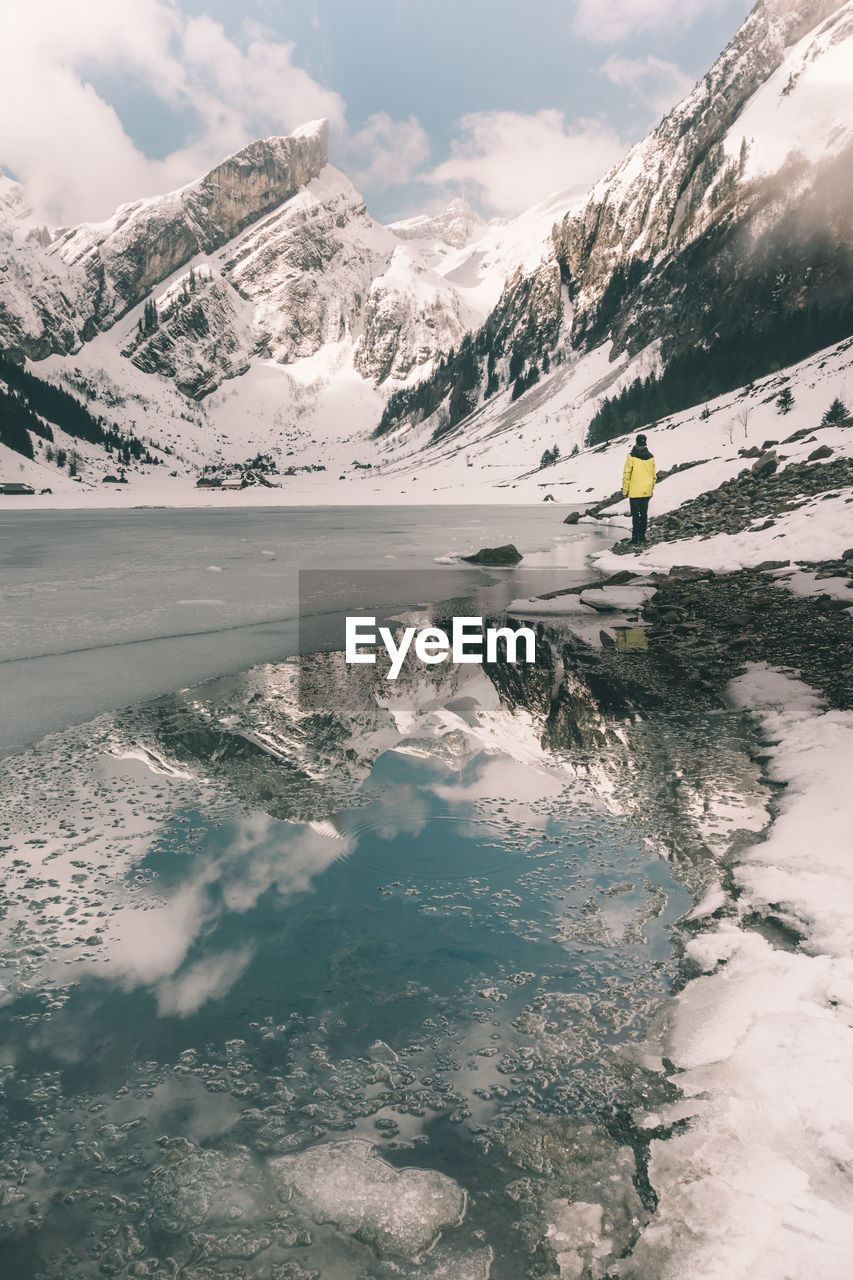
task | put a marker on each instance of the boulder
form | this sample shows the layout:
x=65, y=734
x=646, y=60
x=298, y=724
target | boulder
x=497, y=557
x=572, y=518
x=766, y=464
x=823, y=451
x=690, y=573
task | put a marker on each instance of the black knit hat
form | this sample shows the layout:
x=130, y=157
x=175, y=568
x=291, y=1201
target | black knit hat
x=641, y=439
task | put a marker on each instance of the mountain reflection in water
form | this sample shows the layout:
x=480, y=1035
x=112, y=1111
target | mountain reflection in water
x=242, y=926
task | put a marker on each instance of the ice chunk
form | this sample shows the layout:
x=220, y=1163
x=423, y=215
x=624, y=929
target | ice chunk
x=194, y=1186
x=617, y=599
x=396, y=1211
x=381, y=1052
x=587, y=1210
x=454, y=1264
x=575, y=1235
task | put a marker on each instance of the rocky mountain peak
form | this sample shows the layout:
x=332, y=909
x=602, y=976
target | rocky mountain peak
x=62, y=289
x=456, y=226
x=673, y=185
x=18, y=223
x=258, y=178
x=145, y=242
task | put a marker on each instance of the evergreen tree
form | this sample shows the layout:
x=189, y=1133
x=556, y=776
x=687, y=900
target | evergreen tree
x=742, y=158
x=16, y=423
x=150, y=318
x=734, y=359
x=785, y=400
x=837, y=412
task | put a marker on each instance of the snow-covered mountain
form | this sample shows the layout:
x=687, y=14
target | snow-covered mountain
x=735, y=198
x=268, y=269
x=719, y=249
x=275, y=253
x=262, y=309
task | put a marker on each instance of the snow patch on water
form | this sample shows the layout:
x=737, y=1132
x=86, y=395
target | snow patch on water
x=347, y=1184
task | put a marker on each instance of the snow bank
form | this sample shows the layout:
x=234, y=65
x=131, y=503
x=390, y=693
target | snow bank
x=759, y=1184
x=821, y=529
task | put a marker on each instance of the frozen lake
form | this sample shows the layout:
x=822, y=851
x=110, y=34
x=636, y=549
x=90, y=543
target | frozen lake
x=303, y=986
x=303, y=975
x=103, y=609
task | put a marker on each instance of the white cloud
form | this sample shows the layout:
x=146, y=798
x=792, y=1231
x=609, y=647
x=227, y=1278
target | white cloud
x=609, y=21
x=147, y=943
x=66, y=142
x=512, y=160
x=652, y=81
x=208, y=979
x=387, y=153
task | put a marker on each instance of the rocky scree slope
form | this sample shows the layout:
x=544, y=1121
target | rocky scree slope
x=755, y=498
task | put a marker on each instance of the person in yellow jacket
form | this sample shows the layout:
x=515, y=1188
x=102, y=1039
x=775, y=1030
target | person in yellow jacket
x=638, y=482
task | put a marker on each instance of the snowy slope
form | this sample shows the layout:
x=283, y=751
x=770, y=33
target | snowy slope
x=284, y=315
x=666, y=190
x=805, y=109
x=735, y=213
x=757, y=1184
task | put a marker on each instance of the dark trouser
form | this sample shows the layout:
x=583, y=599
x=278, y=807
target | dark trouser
x=639, y=518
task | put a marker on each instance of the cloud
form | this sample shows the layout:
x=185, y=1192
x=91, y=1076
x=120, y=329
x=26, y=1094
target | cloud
x=63, y=139
x=651, y=81
x=387, y=153
x=208, y=979
x=512, y=160
x=149, y=942
x=608, y=21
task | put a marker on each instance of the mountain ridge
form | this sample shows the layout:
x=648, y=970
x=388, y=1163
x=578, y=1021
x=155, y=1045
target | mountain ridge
x=295, y=321
x=686, y=235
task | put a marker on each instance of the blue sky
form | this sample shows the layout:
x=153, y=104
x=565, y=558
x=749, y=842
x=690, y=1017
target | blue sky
x=108, y=102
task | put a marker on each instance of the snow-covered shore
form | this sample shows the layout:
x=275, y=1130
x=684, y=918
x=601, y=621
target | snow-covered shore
x=759, y=1183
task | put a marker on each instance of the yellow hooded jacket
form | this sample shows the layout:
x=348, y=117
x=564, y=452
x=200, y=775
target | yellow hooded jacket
x=639, y=476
